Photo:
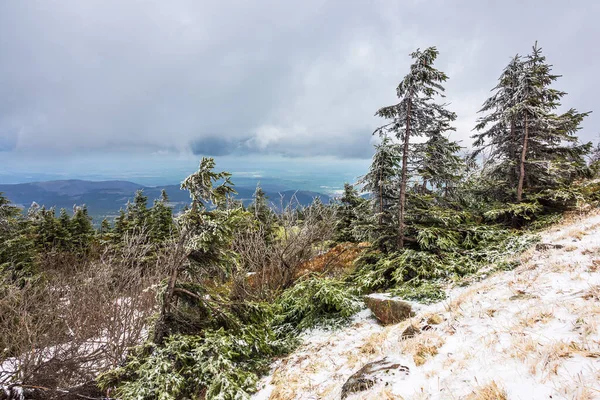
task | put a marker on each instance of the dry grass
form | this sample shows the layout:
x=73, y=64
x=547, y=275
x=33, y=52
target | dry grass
x=531, y=318
x=570, y=248
x=374, y=343
x=594, y=251
x=491, y=391
x=337, y=260
x=575, y=233
x=380, y=393
x=454, y=307
x=522, y=347
x=435, y=319
x=491, y=312
x=422, y=347
x=593, y=293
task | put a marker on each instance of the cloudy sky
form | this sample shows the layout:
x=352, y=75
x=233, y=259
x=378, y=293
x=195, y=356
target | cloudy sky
x=266, y=78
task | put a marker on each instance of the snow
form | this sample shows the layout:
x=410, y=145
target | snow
x=532, y=331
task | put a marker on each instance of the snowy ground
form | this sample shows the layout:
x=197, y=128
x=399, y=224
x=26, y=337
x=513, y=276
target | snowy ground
x=531, y=333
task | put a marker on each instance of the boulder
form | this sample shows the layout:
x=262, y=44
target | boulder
x=372, y=373
x=410, y=332
x=387, y=309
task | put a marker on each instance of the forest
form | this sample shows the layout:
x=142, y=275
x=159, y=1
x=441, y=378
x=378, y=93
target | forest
x=158, y=305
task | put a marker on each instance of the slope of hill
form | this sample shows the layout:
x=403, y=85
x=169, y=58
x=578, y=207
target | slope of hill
x=105, y=198
x=530, y=333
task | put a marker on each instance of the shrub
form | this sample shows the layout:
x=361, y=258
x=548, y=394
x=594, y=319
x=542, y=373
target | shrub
x=426, y=293
x=216, y=363
x=318, y=301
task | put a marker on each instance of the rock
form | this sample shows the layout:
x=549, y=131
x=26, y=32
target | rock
x=389, y=310
x=410, y=332
x=372, y=373
x=548, y=246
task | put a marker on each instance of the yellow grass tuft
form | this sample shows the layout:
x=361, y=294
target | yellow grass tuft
x=593, y=293
x=435, y=319
x=422, y=347
x=491, y=391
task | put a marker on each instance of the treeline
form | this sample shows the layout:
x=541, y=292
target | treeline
x=197, y=305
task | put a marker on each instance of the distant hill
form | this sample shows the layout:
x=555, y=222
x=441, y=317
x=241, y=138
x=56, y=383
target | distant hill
x=105, y=198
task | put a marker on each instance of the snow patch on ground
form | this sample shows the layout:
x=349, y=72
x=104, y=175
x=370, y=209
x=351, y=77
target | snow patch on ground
x=533, y=332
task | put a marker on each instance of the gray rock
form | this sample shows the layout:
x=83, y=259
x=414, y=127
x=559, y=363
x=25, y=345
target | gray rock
x=389, y=310
x=372, y=373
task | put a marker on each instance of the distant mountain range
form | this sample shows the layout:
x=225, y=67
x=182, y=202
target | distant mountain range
x=106, y=198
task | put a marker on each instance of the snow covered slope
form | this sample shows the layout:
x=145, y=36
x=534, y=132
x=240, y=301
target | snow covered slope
x=531, y=333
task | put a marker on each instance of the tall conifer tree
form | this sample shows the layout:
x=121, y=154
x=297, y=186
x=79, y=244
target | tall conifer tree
x=416, y=113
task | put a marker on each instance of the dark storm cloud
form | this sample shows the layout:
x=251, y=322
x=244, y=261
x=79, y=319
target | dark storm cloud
x=295, y=78
x=214, y=146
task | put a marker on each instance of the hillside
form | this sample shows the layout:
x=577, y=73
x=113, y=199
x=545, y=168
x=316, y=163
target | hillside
x=530, y=333
x=105, y=198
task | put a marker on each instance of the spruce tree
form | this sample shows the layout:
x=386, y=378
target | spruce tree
x=139, y=210
x=381, y=182
x=550, y=153
x=530, y=147
x=347, y=208
x=64, y=221
x=17, y=250
x=595, y=158
x=105, y=227
x=82, y=230
x=439, y=165
x=161, y=219
x=415, y=114
x=121, y=226
x=207, y=233
x=259, y=206
x=499, y=131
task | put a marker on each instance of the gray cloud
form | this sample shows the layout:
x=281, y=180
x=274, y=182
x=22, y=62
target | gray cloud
x=293, y=78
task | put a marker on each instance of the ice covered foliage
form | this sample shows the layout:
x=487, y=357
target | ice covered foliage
x=318, y=301
x=416, y=114
x=420, y=274
x=219, y=364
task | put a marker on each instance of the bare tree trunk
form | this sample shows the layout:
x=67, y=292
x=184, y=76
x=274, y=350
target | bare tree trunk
x=160, y=328
x=513, y=150
x=380, y=197
x=522, y=165
x=404, y=177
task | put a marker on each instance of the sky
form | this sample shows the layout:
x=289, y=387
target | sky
x=153, y=85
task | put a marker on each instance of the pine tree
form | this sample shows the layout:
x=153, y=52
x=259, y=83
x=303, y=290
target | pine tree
x=439, y=164
x=414, y=115
x=595, y=158
x=164, y=197
x=530, y=146
x=105, y=227
x=121, y=227
x=381, y=182
x=207, y=233
x=82, y=230
x=347, y=208
x=46, y=229
x=500, y=130
x=64, y=221
x=550, y=154
x=17, y=251
x=260, y=208
x=161, y=219
x=139, y=210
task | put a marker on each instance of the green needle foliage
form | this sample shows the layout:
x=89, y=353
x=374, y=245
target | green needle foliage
x=236, y=286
